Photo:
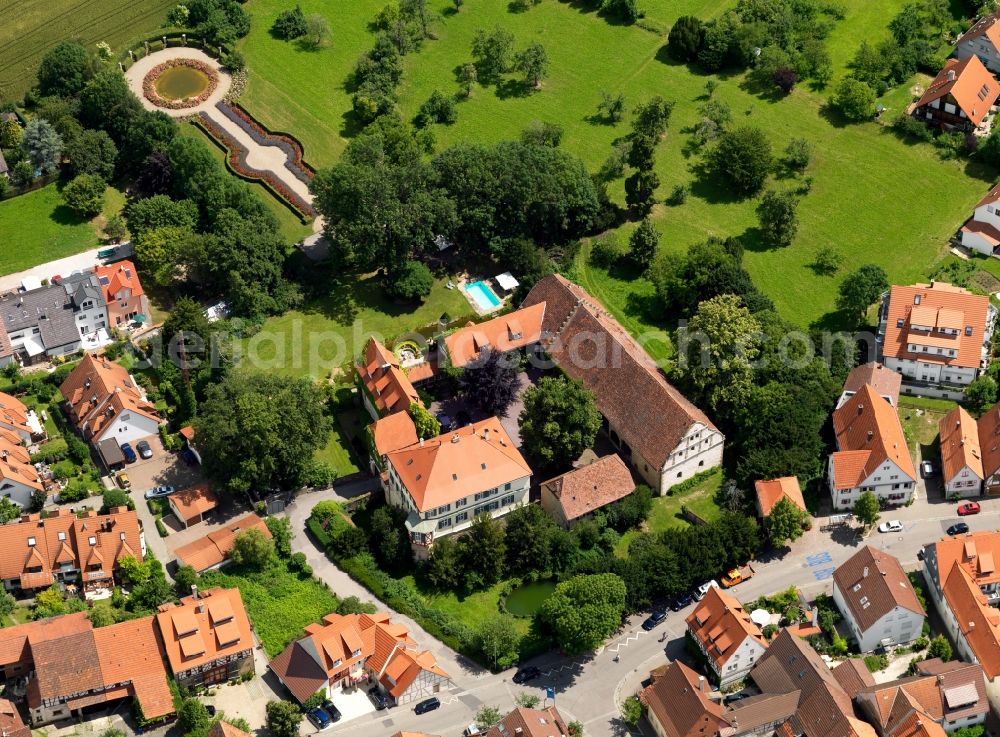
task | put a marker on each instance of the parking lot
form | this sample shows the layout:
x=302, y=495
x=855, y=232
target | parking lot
x=164, y=468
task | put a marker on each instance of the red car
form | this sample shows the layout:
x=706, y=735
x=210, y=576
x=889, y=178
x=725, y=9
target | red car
x=968, y=508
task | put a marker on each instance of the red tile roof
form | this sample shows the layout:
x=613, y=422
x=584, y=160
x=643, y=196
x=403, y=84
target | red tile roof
x=531, y=723
x=960, y=445
x=678, y=700
x=193, y=502
x=985, y=26
x=591, y=487
x=387, y=384
x=11, y=724
x=988, y=430
x=213, y=548
x=885, y=381
x=771, y=492
x=631, y=392
x=505, y=333
x=873, y=584
x=868, y=434
x=120, y=275
x=936, y=306
x=205, y=629
x=720, y=624
x=394, y=432
x=14, y=413
x=97, y=386
x=969, y=83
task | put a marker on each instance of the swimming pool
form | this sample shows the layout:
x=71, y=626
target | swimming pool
x=482, y=295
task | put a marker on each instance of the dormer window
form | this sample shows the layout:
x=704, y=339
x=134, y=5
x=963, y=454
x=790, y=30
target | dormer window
x=916, y=299
x=968, y=330
x=122, y=536
x=92, y=540
x=899, y=322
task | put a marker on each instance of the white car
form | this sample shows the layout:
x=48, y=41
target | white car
x=699, y=593
x=893, y=525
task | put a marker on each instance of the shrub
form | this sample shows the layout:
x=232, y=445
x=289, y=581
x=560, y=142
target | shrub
x=606, y=251
x=438, y=108
x=290, y=24
x=876, y=662
x=679, y=194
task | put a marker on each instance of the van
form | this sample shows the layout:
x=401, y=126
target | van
x=428, y=705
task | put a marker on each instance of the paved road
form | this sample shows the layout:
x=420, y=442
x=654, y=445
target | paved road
x=62, y=266
x=590, y=688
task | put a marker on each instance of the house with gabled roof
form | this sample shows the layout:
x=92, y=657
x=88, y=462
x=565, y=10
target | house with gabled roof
x=981, y=232
x=123, y=292
x=959, y=97
x=212, y=551
x=961, y=456
x=936, y=335
x=885, y=381
x=653, y=427
x=19, y=479
x=772, y=491
x=514, y=331
x=982, y=40
x=347, y=649
x=577, y=494
x=384, y=385
x=872, y=453
x=988, y=426
x=678, y=703
x=729, y=639
x=11, y=724
x=874, y=594
x=17, y=418
x=522, y=722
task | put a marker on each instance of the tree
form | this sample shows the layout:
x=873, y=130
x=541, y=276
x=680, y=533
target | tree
x=22, y=173
x=527, y=700
x=855, y=99
x=487, y=717
x=7, y=605
x=632, y=710
x=797, y=154
x=497, y=638
x=92, y=152
x=444, y=567
x=185, y=577
x=483, y=549
x=643, y=243
x=742, y=159
x=413, y=283
x=317, y=31
x=778, y=221
x=64, y=70
x=11, y=133
x=251, y=549
x=467, y=76
x=107, y=103
x=533, y=63
x=491, y=381
x=612, y=106
x=160, y=211
x=387, y=538
x=42, y=146
x=558, y=422
x=784, y=79
x=290, y=24
x=939, y=648
x=114, y=229
x=493, y=52
x=981, y=394
x=529, y=533
x=861, y=288
x=113, y=498
x=85, y=195
x=651, y=118
x=186, y=322
x=427, y=424
x=784, y=523
x=281, y=533
x=438, y=108
x=723, y=344
x=283, y=718
x=828, y=260
x=260, y=430
x=640, y=190
x=583, y=611
x=685, y=38
x=866, y=509
x=541, y=133
x=193, y=717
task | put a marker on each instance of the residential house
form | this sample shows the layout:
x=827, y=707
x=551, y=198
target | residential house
x=653, y=427
x=70, y=666
x=56, y=320
x=872, y=591
x=936, y=335
x=726, y=635
x=104, y=401
x=207, y=637
x=981, y=40
x=62, y=548
x=222, y=728
x=530, y=723
x=577, y=494
x=212, y=551
x=384, y=386
x=11, y=724
x=679, y=705
x=981, y=232
x=514, y=331
x=872, y=453
x=6, y=349
x=389, y=433
x=773, y=491
x=961, y=457
x=443, y=483
x=123, y=292
x=959, y=97
x=941, y=697
x=349, y=649
x=191, y=505
x=17, y=418
x=19, y=479
x=885, y=381
x=989, y=445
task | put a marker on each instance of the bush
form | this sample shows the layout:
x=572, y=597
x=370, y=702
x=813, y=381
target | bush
x=606, y=251
x=290, y=24
x=679, y=195
x=85, y=195
x=413, y=282
x=438, y=108
x=161, y=528
x=876, y=662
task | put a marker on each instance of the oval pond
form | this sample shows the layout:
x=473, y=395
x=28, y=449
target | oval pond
x=177, y=83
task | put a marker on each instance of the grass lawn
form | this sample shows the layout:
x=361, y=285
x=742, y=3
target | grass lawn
x=32, y=27
x=38, y=228
x=336, y=453
x=20, y=615
x=280, y=604
x=920, y=417
x=471, y=610
x=667, y=514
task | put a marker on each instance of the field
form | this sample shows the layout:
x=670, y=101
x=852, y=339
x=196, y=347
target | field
x=907, y=200
x=31, y=27
x=38, y=227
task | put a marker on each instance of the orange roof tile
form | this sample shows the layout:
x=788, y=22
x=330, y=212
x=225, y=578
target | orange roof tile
x=936, y=296
x=970, y=85
x=988, y=430
x=458, y=464
x=531, y=723
x=213, y=548
x=90, y=388
x=720, y=624
x=591, y=487
x=868, y=434
x=960, y=445
x=192, y=502
x=885, y=381
x=193, y=639
x=771, y=492
x=505, y=333
x=119, y=275
x=387, y=384
x=978, y=622
x=985, y=26
x=13, y=412
x=393, y=432
x=223, y=728
x=11, y=724
x=130, y=651
x=678, y=699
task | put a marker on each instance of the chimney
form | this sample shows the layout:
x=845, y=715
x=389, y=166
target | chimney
x=865, y=574
x=861, y=409
x=951, y=75
x=870, y=435
x=194, y=591
x=701, y=683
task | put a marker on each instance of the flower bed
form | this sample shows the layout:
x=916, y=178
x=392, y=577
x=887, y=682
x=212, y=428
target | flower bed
x=236, y=160
x=149, y=84
x=289, y=144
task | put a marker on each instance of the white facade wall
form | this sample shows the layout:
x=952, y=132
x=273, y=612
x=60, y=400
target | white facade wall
x=935, y=373
x=896, y=627
x=699, y=450
x=976, y=242
x=965, y=483
x=981, y=47
x=128, y=427
x=16, y=491
x=888, y=483
x=740, y=662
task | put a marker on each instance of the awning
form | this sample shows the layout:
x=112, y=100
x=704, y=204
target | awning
x=33, y=346
x=506, y=281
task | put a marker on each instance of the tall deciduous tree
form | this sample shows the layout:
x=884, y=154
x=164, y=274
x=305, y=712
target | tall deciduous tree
x=784, y=523
x=742, y=159
x=483, y=551
x=583, y=611
x=491, y=381
x=498, y=639
x=652, y=117
x=493, y=52
x=64, y=70
x=317, y=31
x=529, y=540
x=251, y=549
x=93, y=152
x=290, y=24
x=558, y=422
x=85, y=195
x=283, y=718
x=533, y=63
x=855, y=99
x=685, y=38
x=778, y=220
x=866, y=509
x=643, y=243
x=107, y=103
x=862, y=288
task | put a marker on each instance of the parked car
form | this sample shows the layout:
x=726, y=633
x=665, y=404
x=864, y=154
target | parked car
x=471, y=731
x=524, y=675
x=145, y=451
x=319, y=718
x=123, y=480
x=332, y=710
x=427, y=705
x=159, y=491
x=653, y=620
x=893, y=525
x=130, y=456
x=378, y=698
x=680, y=601
x=737, y=576
x=959, y=528
x=699, y=593
x=928, y=469
x=968, y=508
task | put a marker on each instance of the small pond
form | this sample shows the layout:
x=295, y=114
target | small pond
x=177, y=83
x=525, y=600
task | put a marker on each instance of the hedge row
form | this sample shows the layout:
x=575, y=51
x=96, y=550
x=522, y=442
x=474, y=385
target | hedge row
x=289, y=144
